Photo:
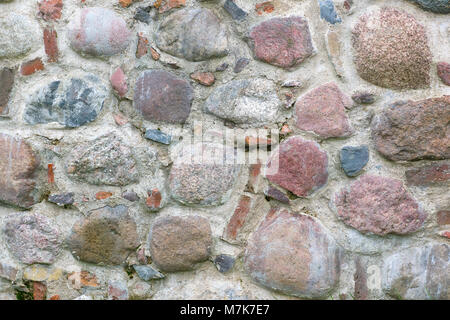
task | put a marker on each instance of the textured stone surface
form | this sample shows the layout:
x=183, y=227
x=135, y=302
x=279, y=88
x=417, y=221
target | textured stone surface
x=364, y=97
x=224, y=263
x=119, y=82
x=62, y=199
x=428, y=175
x=353, y=159
x=414, y=130
x=252, y=102
x=202, y=183
x=299, y=166
x=437, y=6
x=71, y=102
x=107, y=236
x=105, y=160
x=147, y=273
x=293, y=254
x=161, y=96
x=418, y=273
x=6, y=85
x=379, y=205
x=235, y=12
x=50, y=9
x=328, y=11
x=158, y=136
x=443, y=71
x=179, y=243
x=98, y=31
x=391, y=50
x=32, y=238
x=282, y=42
x=18, y=172
x=25, y=34
x=322, y=111
x=193, y=34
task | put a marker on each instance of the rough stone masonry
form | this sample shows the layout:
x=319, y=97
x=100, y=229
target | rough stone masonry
x=99, y=97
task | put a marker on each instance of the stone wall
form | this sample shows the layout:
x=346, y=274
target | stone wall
x=98, y=100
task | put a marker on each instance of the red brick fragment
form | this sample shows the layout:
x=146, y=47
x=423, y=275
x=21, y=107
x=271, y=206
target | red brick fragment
x=154, y=199
x=50, y=173
x=102, y=195
x=50, y=9
x=238, y=219
x=204, y=78
x=39, y=291
x=30, y=67
x=51, y=44
x=266, y=7
x=142, y=46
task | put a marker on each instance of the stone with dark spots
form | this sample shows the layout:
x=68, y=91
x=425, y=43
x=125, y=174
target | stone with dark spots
x=63, y=199
x=277, y=195
x=161, y=96
x=443, y=71
x=418, y=273
x=436, y=6
x=322, y=111
x=391, y=50
x=328, y=11
x=428, y=175
x=98, y=32
x=18, y=172
x=414, y=130
x=282, y=42
x=143, y=14
x=180, y=243
x=103, y=161
x=240, y=65
x=194, y=34
x=224, y=263
x=107, y=236
x=364, y=97
x=354, y=159
x=202, y=183
x=147, y=273
x=379, y=205
x=299, y=166
x=31, y=238
x=293, y=254
x=158, y=136
x=6, y=85
x=235, y=12
x=72, y=102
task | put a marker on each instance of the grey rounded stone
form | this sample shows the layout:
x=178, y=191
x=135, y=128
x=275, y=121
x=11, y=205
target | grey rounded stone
x=18, y=34
x=354, y=159
x=70, y=102
x=31, y=238
x=436, y=6
x=246, y=102
x=194, y=34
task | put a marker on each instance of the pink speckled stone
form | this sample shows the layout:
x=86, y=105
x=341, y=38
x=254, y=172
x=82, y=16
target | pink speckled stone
x=322, y=111
x=293, y=254
x=379, y=205
x=119, y=82
x=299, y=166
x=282, y=42
x=99, y=32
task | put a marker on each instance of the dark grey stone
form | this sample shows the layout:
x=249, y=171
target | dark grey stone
x=364, y=98
x=353, y=159
x=147, y=273
x=328, y=11
x=130, y=196
x=241, y=64
x=235, y=12
x=62, y=199
x=224, y=263
x=158, y=136
x=277, y=195
x=436, y=6
x=142, y=14
x=224, y=66
x=72, y=102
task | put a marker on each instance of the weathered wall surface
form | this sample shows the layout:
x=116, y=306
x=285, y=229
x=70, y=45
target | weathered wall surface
x=98, y=97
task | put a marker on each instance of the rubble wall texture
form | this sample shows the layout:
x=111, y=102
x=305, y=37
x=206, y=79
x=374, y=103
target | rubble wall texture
x=99, y=98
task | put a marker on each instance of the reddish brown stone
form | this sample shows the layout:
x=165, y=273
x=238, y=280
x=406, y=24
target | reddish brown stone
x=55, y=297
x=154, y=198
x=391, y=50
x=360, y=278
x=379, y=205
x=82, y=279
x=238, y=219
x=285, y=130
x=428, y=175
x=30, y=67
x=414, y=130
x=299, y=166
x=179, y=243
x=125, y=3
x=255, y=142
x=204, y=78
x=166, y=5
x=102, y=195
x=322, y=111
x=120, y=119
x=39, y=291
x=254, y=178
x=155, y=54
x=293, y=254
x=119, y=82
x=443, y=217
x=282, y=42
x=443, y=71
x=161, y=96
x=51, y=44
x=6, y=85
x=142, y=46
x=50, y=173
x=277, y=195
x=50, y=9
x=266, y=7
x=18, y=169
x=445, y=234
